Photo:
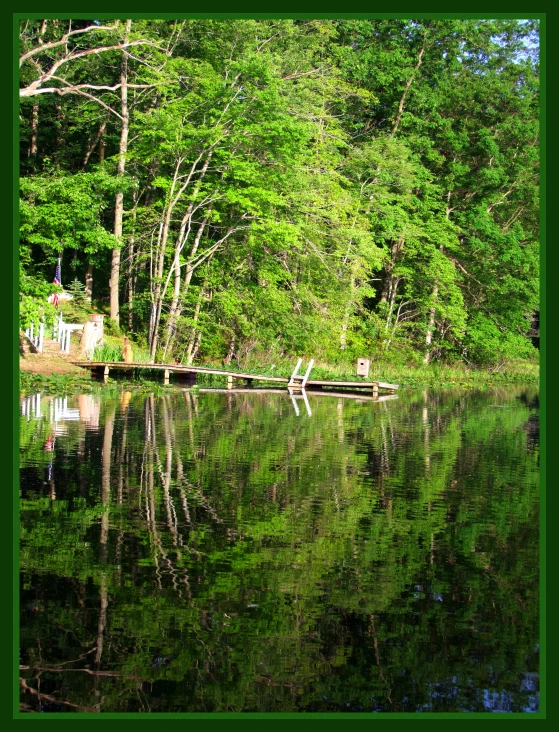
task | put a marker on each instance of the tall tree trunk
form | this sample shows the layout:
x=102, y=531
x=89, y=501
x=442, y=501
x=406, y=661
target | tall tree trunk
x=131, y=284
x=430, y=327
x=58, y=125
x=89, y=281
x=132, y=274
x=388, y=284
x=407, y=88
x=432, y=310
x=102, y=148
x=178, y=296
x=161, y=288
x=34, y=128
x=119, y=202
x=345, y=322
x=190, y=352
x=196, y=348
x=93, y=143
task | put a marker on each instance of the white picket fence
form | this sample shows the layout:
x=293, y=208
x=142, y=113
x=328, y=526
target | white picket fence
x=62, y=331
x=36, y=336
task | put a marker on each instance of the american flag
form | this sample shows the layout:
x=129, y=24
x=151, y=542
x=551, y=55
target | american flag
x=57, y=279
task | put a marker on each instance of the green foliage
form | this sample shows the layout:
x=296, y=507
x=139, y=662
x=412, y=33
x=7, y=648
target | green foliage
x=111, y=328
x=77, y=290
x=107, y=352
x=55, y=384
x=323, y=187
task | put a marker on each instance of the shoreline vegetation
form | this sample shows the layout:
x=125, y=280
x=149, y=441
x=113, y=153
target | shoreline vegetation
x=53, y=374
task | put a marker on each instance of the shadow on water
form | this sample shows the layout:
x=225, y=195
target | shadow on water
x=198, y=551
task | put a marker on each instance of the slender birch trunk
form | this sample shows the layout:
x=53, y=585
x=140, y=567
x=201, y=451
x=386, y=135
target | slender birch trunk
x=181, y=288
x=34, y=129
x=347, y=315
x=184, y=230
x=430, y=327
x=93, y=143
x=190, y=352
x=119, y=202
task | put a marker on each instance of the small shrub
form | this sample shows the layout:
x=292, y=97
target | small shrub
x=111, y=328
x=77, y=290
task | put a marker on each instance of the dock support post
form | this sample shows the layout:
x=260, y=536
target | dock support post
x=375, y=390
x=229, y=382
x=166, y=377
x=106, y=373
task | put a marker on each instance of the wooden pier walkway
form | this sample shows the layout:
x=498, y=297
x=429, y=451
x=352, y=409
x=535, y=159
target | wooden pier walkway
x=187, y=374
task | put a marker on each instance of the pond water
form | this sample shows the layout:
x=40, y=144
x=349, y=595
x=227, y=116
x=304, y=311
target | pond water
x=238, y=552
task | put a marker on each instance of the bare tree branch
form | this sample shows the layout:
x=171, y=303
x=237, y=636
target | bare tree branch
x=34, y=87
x=53, y=44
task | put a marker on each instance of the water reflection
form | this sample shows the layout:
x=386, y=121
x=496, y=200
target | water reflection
x=217, y=552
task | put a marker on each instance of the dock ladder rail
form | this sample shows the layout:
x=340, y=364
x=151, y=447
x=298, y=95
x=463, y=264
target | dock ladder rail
x=298, y=381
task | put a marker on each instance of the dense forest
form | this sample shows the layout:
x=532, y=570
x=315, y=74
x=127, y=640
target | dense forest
x=334, y=188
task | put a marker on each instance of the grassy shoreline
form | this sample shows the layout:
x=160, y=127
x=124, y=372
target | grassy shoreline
x=43, y=377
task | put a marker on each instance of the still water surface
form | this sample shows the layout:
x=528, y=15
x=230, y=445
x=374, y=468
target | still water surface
x=220, y=552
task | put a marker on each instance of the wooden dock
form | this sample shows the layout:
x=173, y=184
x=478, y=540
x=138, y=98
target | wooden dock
x=187, y=375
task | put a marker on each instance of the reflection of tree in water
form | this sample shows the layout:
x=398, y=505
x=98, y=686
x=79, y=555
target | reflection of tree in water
x=231, y=556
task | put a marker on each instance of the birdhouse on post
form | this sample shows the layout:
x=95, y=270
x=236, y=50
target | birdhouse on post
x=363, y=367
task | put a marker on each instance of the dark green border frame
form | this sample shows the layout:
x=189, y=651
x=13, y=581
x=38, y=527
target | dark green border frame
x=13, y=57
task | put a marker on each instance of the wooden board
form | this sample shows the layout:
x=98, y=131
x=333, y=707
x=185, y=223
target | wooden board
x=120, y=365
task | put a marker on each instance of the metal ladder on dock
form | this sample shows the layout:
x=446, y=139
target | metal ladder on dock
x=298, y=381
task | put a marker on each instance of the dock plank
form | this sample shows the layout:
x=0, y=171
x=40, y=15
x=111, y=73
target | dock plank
x=176, y=368
x=120, y=365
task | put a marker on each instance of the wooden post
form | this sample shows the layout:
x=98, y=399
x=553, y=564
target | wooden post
x=106, y=373
x=375, y=390
x=166, y=377
x=41, y=336
x=229, y=382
